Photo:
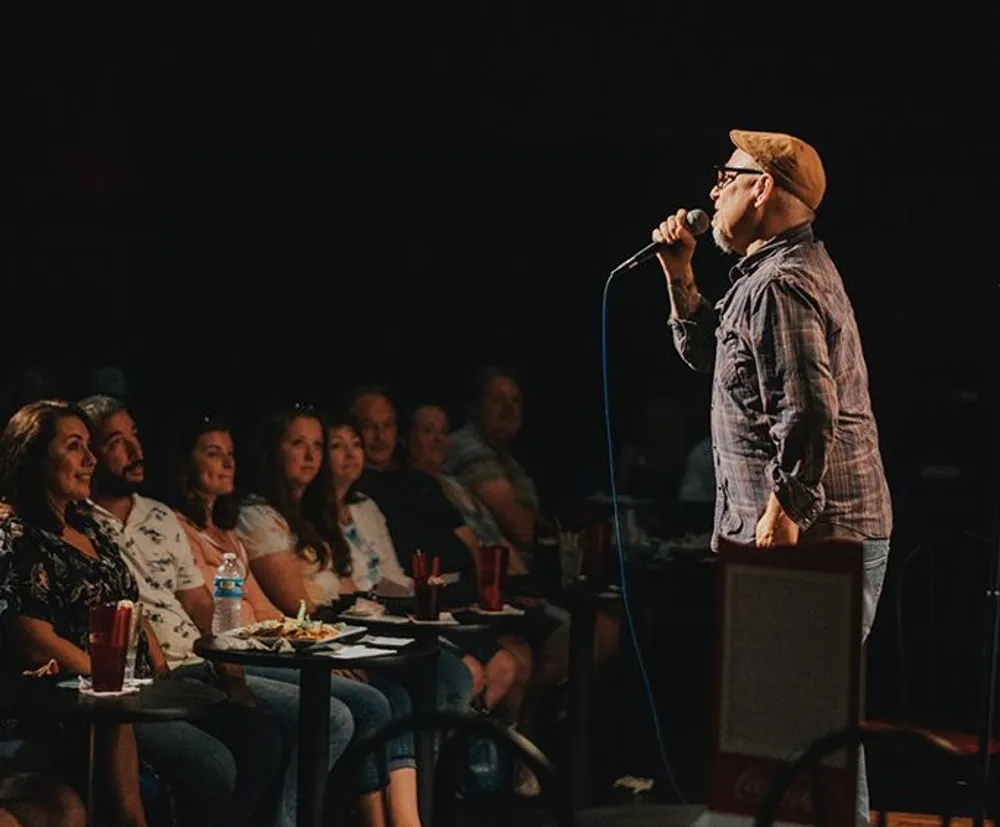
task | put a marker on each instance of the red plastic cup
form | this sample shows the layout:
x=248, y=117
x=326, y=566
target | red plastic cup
x=490, y=573
x=108, y=627
x=419, y=567
x=428, y=599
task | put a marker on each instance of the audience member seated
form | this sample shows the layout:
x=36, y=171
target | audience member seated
x=201, y=475
x=180, y=607
x=417, y=514
x=372, y=560
x=334, y=511
x=297, y=554
x=508, y=660
x=58, y=565
x=428, y=446
x=501, y=667
x=372, y=565
x=481, y=459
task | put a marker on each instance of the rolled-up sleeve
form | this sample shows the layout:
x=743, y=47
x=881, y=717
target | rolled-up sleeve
x=799, y=396
x=694, y=337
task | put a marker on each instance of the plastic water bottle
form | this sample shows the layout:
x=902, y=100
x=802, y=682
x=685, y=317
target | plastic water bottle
x=228, y=595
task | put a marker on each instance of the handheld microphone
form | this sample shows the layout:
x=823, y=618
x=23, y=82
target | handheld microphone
x=697, y=222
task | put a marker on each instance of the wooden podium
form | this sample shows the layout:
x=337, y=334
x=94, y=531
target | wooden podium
x=787, y=670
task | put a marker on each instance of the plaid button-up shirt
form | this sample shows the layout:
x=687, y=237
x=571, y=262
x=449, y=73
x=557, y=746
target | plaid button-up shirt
x=791, y=412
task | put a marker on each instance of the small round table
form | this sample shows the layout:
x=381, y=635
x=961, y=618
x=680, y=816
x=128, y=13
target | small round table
x=168, y=700
x=468, y=619
x=43, y=698
x=467, y=622
x=418, y=657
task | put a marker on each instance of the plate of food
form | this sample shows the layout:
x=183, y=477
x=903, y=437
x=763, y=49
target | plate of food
x=363, y=607
x=299, y=633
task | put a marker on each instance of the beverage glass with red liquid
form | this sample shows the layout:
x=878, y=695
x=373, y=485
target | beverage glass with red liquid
x=428, y=598
x=490, y=574
x=427, y=586
x=108, y=627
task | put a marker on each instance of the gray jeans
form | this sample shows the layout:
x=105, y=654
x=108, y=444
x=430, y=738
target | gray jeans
x=876, y=557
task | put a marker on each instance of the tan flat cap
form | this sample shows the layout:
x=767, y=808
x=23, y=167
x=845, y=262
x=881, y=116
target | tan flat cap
x=795, y=166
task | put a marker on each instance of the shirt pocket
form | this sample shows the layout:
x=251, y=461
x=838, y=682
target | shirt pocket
x=735, y=369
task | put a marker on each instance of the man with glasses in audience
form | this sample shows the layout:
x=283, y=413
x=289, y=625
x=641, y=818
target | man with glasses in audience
x=795, y=444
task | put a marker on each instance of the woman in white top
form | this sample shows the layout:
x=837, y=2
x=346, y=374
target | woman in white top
x=201, y=474
x=296, y=553
x=373, y=564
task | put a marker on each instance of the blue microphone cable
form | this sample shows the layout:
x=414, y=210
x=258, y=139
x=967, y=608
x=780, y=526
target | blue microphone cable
x=621, y=545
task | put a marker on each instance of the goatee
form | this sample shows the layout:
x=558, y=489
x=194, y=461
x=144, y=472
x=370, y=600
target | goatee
x=113, y=485
x=721, y=241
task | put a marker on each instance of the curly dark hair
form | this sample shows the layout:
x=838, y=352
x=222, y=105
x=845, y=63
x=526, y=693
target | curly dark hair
x=313, y=520
x=24, y=446
x=180, y=493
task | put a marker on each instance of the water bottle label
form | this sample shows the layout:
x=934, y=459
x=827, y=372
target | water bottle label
x=229, y=587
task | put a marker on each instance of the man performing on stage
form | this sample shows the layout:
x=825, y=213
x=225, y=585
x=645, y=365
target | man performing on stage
x=794, y=439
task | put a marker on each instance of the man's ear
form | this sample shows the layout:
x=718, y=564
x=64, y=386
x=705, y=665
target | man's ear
x=763, y=189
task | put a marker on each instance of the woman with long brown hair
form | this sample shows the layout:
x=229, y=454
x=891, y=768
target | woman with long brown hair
x=201, y=467
x=367, y=559
x=291, y=543
x=59, y=564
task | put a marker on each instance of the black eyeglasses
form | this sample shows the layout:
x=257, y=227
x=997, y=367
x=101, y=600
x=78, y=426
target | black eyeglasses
x=724, y=176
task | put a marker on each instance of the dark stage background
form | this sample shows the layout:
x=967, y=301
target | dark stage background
x=235, y=215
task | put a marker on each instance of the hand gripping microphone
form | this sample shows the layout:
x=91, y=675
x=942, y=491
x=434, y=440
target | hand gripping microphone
x=697, y=221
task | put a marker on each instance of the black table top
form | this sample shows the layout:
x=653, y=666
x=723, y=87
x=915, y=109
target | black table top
x=469, y=620
x=168, y=700
x=403, y=656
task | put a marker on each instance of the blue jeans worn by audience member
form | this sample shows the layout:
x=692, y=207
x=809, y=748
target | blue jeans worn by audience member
x=218, y=768
x=372, y=706
x=280, y=701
